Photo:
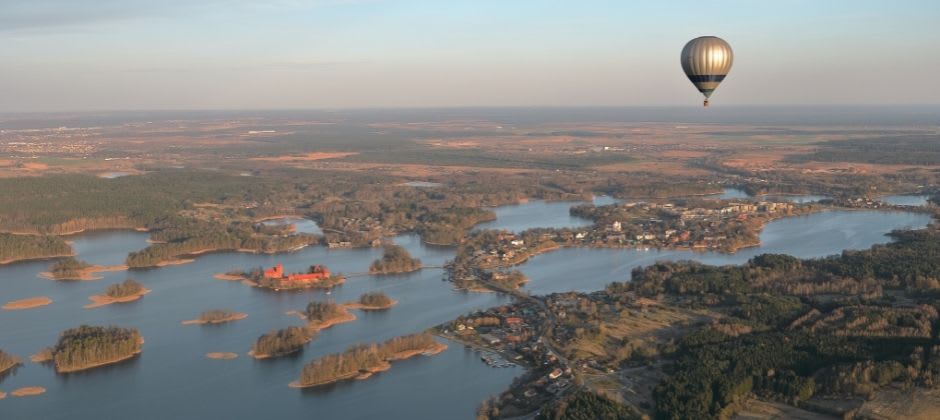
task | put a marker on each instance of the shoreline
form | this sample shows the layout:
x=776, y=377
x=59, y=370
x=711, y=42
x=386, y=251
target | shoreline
x=28, y=303
x=237, y=316
x=85, y=274
x=383, y=366
x=33, y=259
x=103, y=300
x=221, y=355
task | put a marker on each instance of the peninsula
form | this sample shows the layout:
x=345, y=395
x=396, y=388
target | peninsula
x=362, y=361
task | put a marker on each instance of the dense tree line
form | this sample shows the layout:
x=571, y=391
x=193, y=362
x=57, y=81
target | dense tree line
x=21, y=247
x=185, y=236
x=323, y=311
x=281, y=342
x=68, y=268
x=910, y=149
x=361, y=358
x=87, y=346
x=586, y=405
x=395, y=259
x=377, y=299
x=129, y=287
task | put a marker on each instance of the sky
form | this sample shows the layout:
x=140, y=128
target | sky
x=84, y=55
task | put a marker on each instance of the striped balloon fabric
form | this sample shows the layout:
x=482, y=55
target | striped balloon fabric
x=706, y=61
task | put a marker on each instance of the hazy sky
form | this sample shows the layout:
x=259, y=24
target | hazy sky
x=220, y=54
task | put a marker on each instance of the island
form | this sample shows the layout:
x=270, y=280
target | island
x=323, y=315
x=28, y=303
x=71, y=268
x=222, y=355
x=395, y=259
x=88, y=347
x=362, y=361
x=8, y=363
x=29, y=391
x=281, y=343
x=216, y=316
x=127, y=291
x=275, y=278
x=372, y=301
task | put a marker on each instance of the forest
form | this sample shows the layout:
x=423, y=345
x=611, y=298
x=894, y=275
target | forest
x=586, y=405
x=395, y=259
x=361, y=358
x=23, y=247
x=129, y=287
x=281, y=342
x=910, y=149
x=88, y=346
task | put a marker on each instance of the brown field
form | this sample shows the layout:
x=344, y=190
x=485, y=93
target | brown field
x=755, y=409
x=917, y=403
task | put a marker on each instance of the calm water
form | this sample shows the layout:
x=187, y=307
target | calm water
x=906, y=200
x=172, y=378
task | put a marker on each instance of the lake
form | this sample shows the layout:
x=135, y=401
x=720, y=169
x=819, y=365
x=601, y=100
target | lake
x=173, y=378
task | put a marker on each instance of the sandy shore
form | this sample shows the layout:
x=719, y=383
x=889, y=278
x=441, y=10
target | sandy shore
x=102, y=300
x=29, y=303
x=86, y=274
x=28, y=391
x=316, y=326
x=235, y=317
x=179, y=261
x=222, y=355
x=228, y=277
x=46, y=257
x=42, y=357
x=357, y=305
x=3, y=395
x=381, y=367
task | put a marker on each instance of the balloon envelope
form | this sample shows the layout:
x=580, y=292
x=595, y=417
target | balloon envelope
x=706, y=61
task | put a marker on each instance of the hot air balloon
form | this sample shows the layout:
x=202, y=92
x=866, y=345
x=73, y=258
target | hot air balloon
x=706, y=61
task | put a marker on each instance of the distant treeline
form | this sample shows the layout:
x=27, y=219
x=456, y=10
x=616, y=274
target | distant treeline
x=395, y=259
x=281, y=342
x=361, y=358
x=57, y=204
x=920, y=149
x=21, y=247
x=87, y=346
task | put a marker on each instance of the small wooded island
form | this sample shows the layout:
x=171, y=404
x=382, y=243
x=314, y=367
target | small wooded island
x=8, y=362
x=281, y=343
x=125, y=291
x=322, y=315
x=372, y=301
x=88, y=347
x=71, y=268
x=363, y=360
x=395, y=259
x=216, y=316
